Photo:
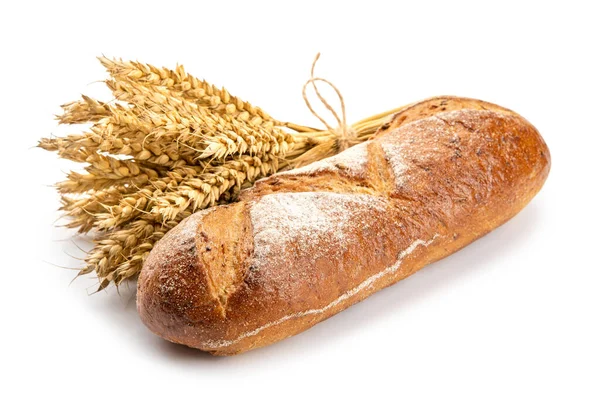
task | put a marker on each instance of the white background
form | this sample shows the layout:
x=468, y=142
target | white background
x=513, y=316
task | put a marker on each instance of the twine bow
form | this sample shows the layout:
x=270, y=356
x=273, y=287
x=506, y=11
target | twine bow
x=345, y=135
x=312, y=144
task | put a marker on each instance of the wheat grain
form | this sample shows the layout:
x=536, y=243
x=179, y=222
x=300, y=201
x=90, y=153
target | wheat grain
x=88, y=110
x=204, y=93
x=211, y=134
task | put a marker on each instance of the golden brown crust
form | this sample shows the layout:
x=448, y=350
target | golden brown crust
x=303, y=245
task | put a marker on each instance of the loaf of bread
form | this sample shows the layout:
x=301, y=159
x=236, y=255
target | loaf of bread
x=303, y=245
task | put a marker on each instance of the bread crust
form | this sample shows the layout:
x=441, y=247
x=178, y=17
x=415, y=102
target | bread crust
x=303, y=245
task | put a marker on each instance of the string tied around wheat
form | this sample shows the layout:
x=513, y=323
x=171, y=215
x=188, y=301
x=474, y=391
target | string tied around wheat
x=345, y=135
x=318, y=144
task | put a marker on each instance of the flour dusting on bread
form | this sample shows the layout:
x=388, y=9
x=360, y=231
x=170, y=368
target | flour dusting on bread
x=365, y=285
x=392, y=152
x=288, y=227
x=352, y=161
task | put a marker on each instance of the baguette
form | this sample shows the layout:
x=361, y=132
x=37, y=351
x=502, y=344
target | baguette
x=303, y=245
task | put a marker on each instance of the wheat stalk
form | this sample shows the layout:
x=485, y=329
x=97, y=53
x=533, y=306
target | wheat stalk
x=170, y=144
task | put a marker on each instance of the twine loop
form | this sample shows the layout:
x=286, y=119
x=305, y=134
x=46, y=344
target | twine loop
x=344, y=134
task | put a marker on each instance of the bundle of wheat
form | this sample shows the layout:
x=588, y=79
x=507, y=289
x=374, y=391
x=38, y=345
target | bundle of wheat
x=168, y=145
